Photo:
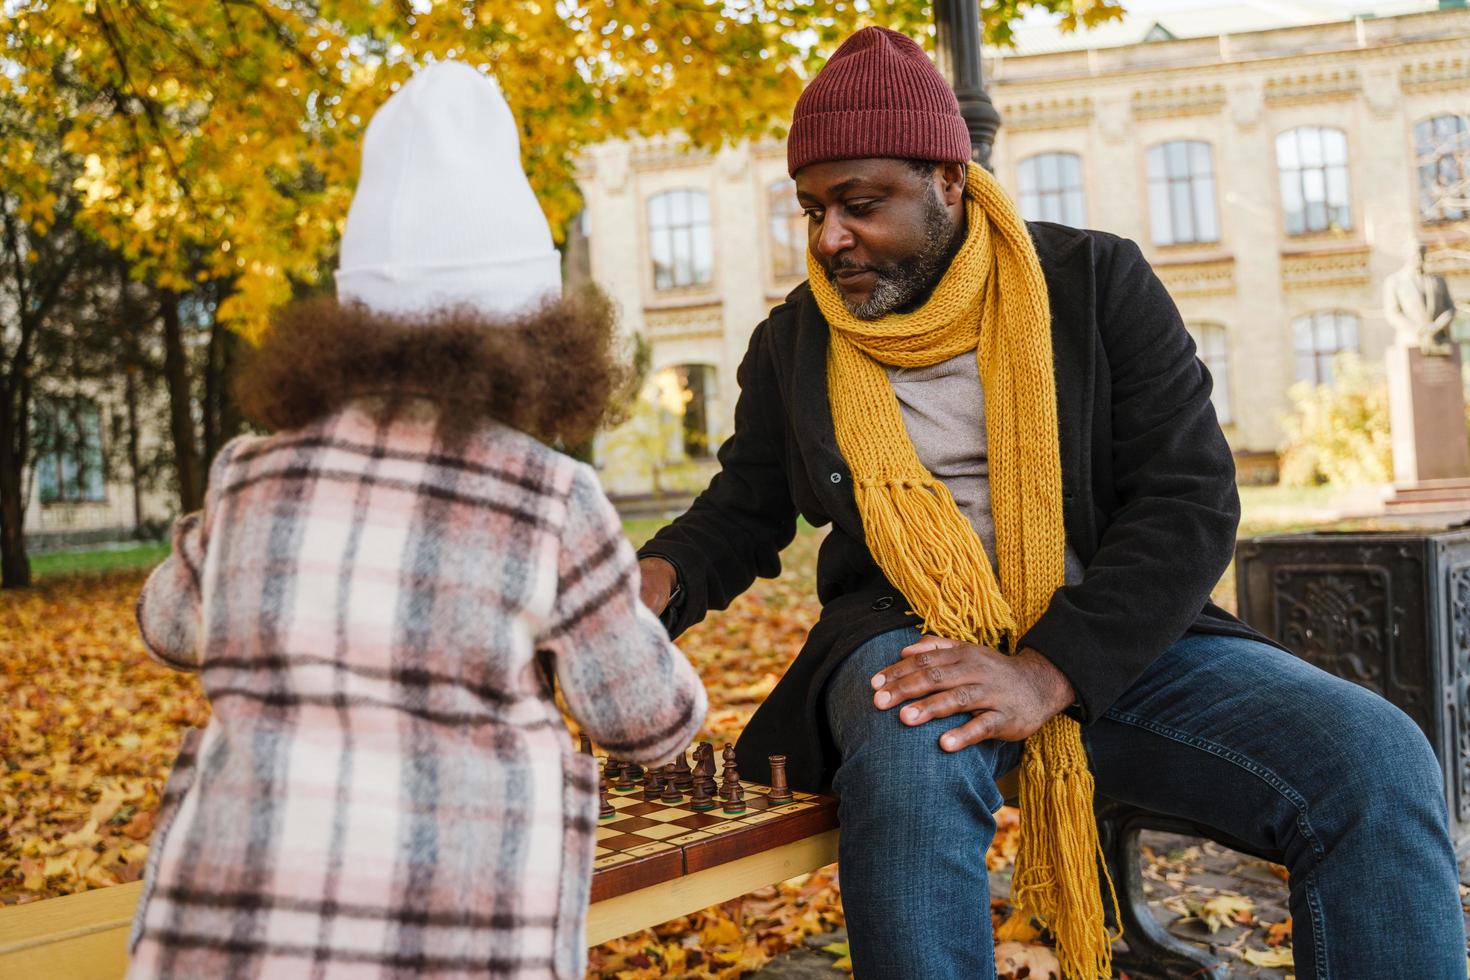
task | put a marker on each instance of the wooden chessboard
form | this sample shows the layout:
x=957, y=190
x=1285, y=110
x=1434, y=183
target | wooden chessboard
x=648, y=841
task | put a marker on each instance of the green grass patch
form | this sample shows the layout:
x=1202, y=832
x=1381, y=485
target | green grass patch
x=59, y=563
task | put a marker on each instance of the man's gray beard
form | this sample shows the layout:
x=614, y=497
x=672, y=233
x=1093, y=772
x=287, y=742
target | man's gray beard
x=899, y=286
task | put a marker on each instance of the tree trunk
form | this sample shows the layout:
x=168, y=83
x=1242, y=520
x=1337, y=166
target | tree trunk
x=135, y=467
x=15, y=567
x=211, y=412
x=180, y=404
x=222, y=419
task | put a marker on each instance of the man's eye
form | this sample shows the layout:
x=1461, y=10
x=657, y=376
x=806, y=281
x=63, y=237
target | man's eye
x=860, y=207
x=813, y=214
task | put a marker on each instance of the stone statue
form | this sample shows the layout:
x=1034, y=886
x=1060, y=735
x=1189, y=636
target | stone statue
x=1419, y=307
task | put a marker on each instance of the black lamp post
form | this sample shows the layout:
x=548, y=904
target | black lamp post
x=958, y=28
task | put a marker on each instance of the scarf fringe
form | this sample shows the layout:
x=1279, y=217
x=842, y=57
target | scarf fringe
x=1056, y=871
x=916, y=531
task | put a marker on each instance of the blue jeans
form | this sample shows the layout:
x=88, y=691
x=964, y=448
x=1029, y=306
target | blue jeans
x=1324, y=776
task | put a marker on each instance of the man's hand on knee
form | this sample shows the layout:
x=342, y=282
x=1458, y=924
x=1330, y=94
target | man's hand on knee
x=1005, y=697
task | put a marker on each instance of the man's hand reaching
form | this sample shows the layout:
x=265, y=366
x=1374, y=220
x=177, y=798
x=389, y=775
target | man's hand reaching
x=1002, y=697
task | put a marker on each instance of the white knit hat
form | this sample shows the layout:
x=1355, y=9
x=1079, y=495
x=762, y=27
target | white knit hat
x=443, y=214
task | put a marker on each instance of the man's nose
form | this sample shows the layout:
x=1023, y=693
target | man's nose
x=831, y=237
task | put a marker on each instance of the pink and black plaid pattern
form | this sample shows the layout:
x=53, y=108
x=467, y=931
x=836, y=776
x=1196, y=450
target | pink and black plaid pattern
x=386, y=788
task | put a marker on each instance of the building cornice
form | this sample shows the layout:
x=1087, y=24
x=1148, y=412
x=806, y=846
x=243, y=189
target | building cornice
x=1446, y=49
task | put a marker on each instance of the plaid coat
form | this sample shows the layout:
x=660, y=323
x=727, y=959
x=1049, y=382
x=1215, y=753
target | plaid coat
x=386, y=787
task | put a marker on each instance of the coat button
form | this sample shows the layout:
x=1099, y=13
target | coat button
x=884, y=603
x=836, y=477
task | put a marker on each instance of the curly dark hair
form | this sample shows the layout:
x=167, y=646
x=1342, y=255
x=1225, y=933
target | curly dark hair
x=557, y=372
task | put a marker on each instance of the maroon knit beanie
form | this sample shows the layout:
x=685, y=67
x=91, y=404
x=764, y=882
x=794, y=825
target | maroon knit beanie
x=877, y=96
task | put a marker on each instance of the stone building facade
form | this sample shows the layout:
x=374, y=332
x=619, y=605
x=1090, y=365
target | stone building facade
x=1274, y=178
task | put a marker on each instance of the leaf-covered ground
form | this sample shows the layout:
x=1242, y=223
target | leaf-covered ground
x=90, y=728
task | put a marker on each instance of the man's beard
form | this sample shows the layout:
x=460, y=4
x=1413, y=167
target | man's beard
x=902, y=285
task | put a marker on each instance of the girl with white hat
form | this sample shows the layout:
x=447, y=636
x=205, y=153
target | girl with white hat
x=378, y=595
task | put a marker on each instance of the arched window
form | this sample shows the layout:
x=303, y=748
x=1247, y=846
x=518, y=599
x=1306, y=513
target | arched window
x=1051, y=188
x=679, y=239
x=1442, y=151
x=1210, y=345
x=1312, y=161
x=787, y=225
x=70, y=465
x=1319, y=337
x=697, y=382
x=1181, y=193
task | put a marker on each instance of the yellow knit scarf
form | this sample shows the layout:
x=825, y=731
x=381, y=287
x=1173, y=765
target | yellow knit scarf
x=992, y=300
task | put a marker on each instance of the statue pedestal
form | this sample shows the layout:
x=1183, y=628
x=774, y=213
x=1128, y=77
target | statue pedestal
x=1431, y=453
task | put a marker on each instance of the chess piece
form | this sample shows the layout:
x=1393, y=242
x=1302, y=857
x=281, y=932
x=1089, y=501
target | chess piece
x=635, y=771
x=624, y=773
x=703, y=798
x=730, y=790
x=584, y=744
x=780, y=792
x=652, y=784
x=605, y=809
x=704, y=767
x=682, y=773
x=671, y=790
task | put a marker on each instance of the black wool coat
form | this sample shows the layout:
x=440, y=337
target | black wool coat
x=1148, y=494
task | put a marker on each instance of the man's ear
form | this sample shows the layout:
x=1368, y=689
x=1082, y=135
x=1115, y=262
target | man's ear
x=952, y=178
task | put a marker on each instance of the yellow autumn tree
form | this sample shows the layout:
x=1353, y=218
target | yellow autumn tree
x=219, y=137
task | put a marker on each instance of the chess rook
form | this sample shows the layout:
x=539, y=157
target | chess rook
x=780, y=792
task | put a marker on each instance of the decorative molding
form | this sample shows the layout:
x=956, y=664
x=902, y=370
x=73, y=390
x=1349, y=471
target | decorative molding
x=1381, y=90
x=1059, y=113
x=1245, y=104
x=1183, y=100
x=1205, y=277
x=1341, y=619
x=733, y=162
x=768, y=148
x=684, y=323
x=613, y=169
x=1448, y=258
x=665, y=156
x=1115, y=120
x=1316, y=270
x=1324, y=85
x=1434, y=75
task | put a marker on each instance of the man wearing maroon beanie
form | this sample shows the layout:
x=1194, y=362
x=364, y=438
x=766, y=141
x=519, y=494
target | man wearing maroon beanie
x=1006, y=427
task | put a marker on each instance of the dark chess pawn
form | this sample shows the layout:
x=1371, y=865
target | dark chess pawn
x=780, y=792
x=624, y=777
x=683, y=775
x=703, y=798
x=731, y=791
x=605, y=809
x=671, y=790
x=652, y=784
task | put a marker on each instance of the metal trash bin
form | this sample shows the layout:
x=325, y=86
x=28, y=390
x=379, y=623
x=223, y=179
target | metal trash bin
x=1389, y=610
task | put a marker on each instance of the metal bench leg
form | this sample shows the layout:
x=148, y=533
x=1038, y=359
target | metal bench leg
x=1152, y=951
